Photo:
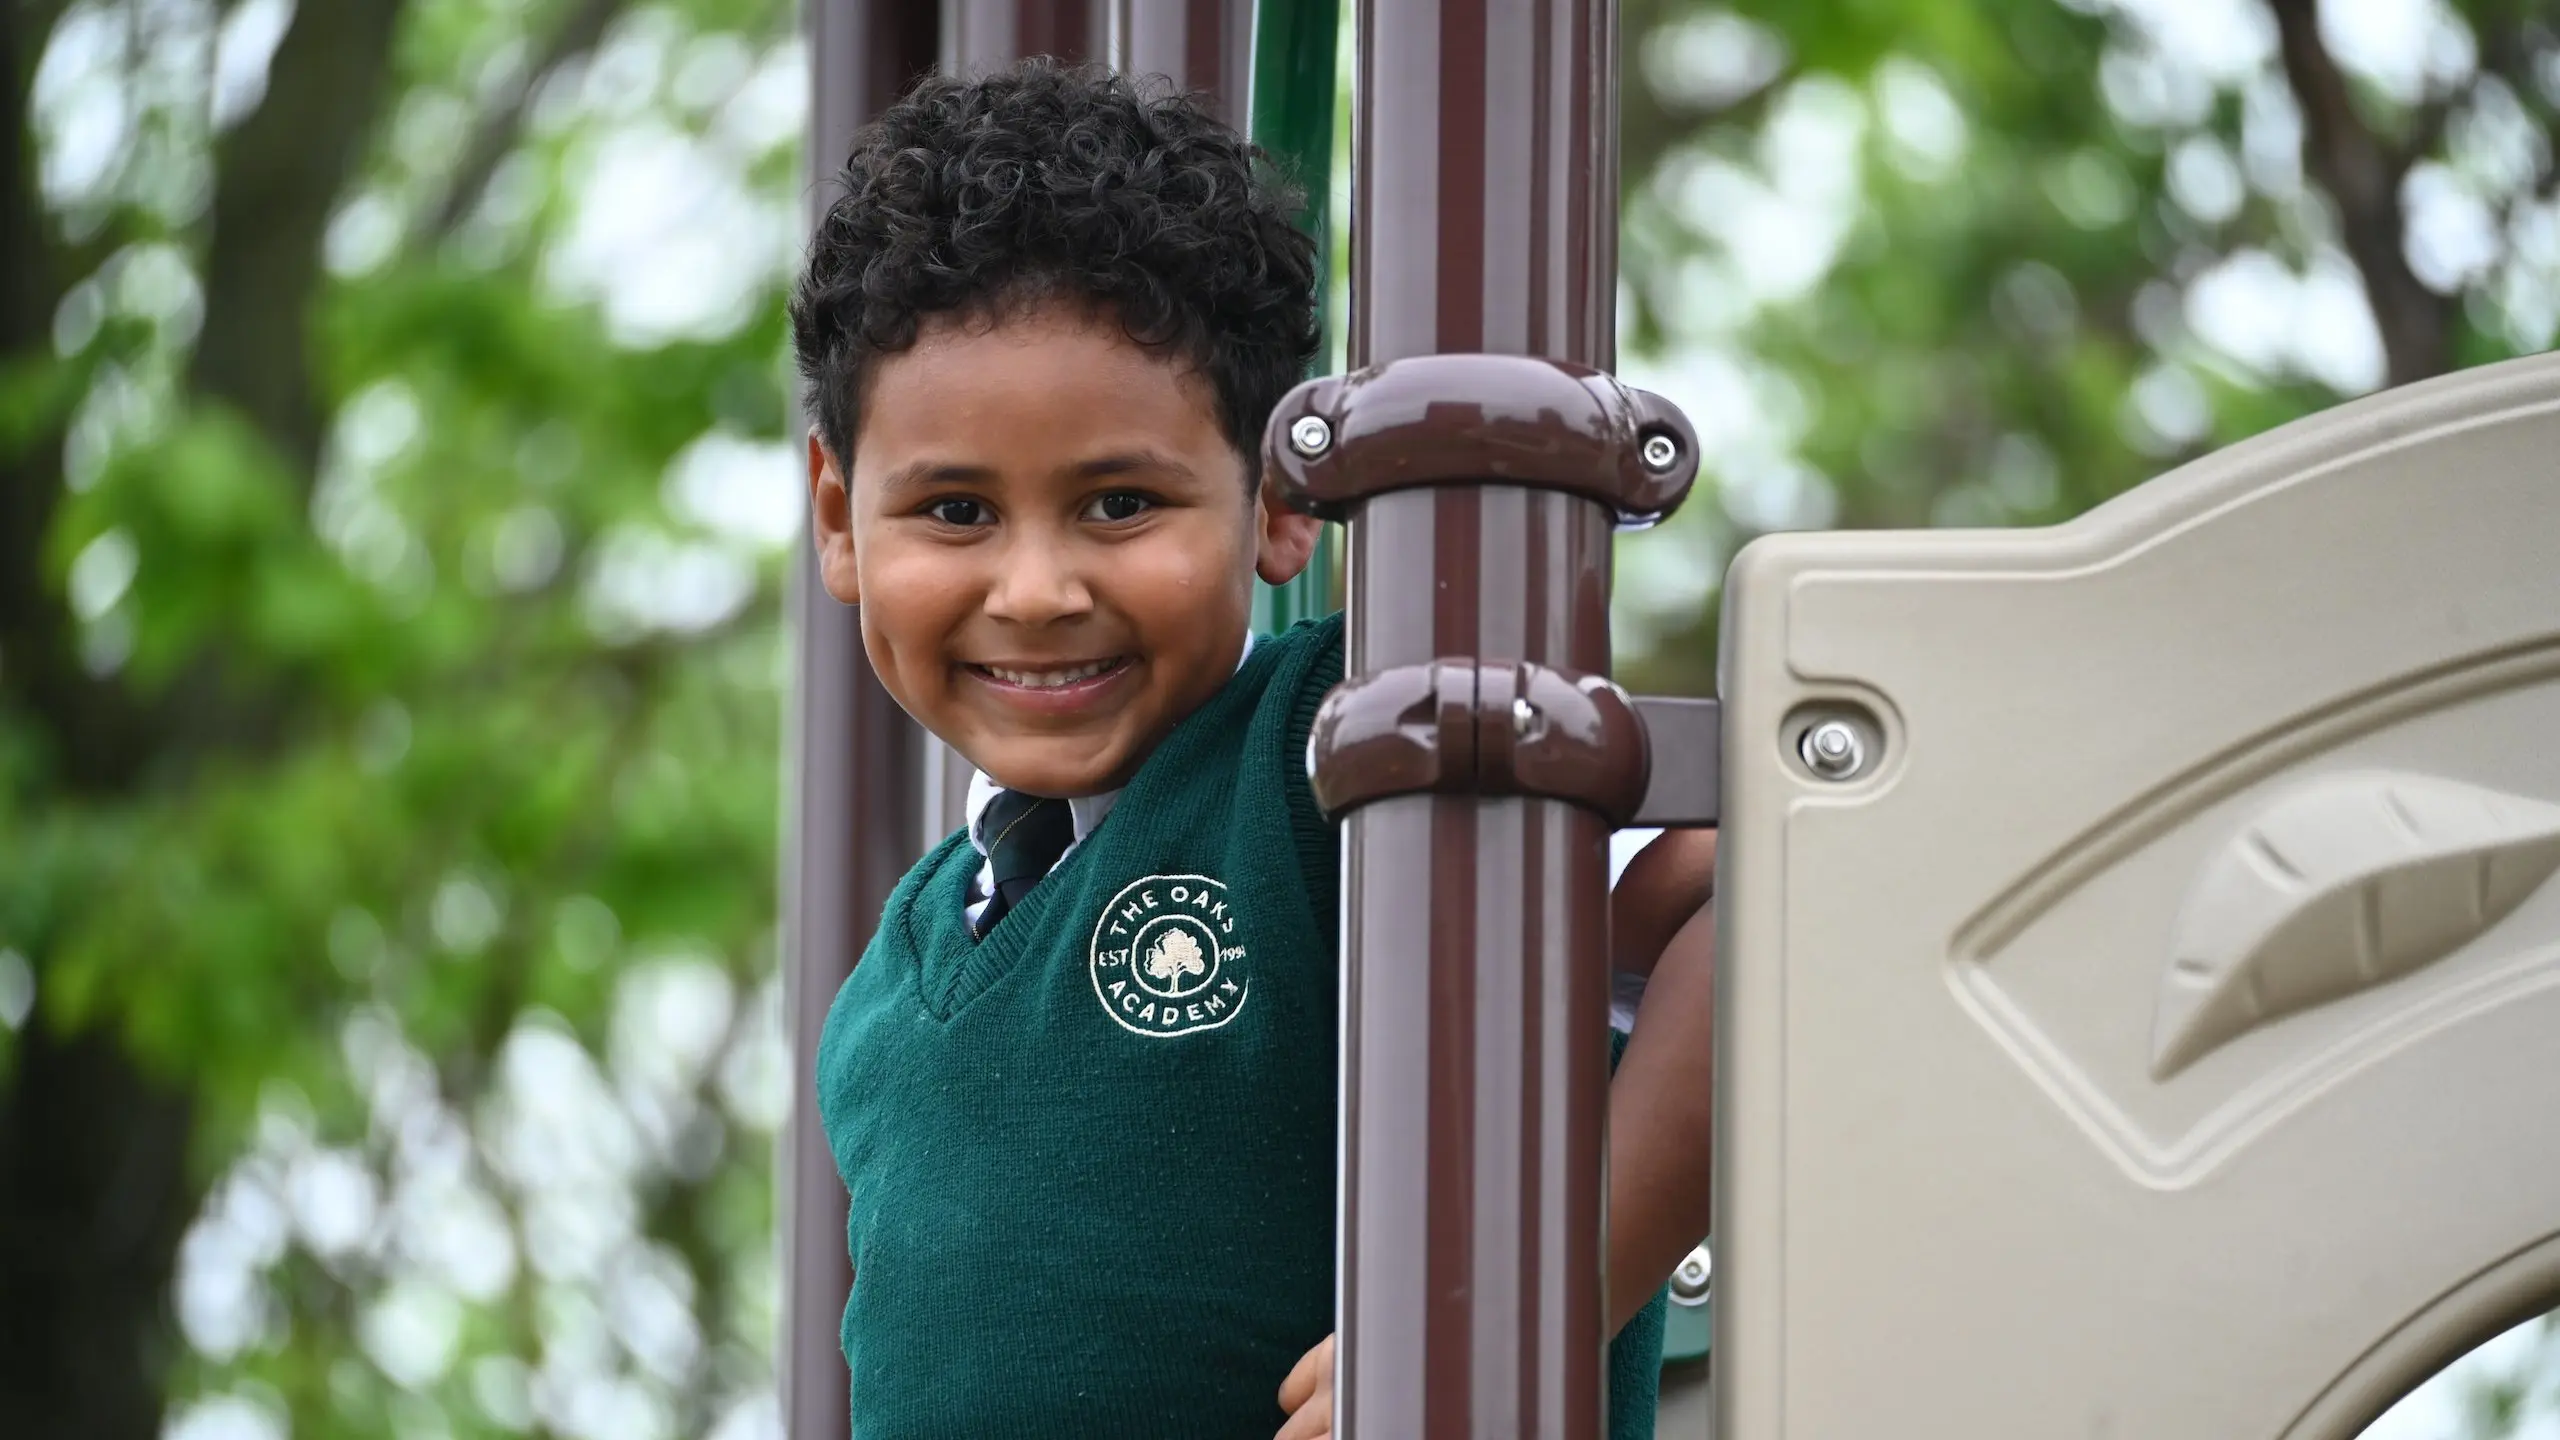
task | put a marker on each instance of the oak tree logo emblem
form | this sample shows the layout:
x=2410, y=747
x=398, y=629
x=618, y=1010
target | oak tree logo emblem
x=1175, y=956
x=1168, y=957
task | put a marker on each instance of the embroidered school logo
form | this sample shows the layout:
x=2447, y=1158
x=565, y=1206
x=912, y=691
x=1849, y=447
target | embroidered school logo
x=1166, y=957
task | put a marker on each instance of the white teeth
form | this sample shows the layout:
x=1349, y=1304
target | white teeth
x=1049, y=679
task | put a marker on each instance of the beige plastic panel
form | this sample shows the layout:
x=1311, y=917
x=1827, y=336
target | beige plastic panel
x=2161, y=1040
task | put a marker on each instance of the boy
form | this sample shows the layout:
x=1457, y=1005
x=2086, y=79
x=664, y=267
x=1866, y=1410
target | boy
x=1081, y=1086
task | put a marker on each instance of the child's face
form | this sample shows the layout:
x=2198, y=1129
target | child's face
x=1052, y=543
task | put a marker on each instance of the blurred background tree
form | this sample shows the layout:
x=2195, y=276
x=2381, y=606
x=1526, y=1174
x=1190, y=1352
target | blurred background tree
x=390, y=542
x=394, y=489
x=1990, y=263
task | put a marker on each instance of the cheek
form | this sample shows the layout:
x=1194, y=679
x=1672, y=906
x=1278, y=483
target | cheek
x=1182, y=574
x=912, y=598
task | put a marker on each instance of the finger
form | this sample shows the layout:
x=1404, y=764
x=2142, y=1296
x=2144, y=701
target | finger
x=1314, y=1367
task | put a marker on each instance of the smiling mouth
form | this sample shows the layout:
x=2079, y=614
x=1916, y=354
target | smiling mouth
x=1052, y=679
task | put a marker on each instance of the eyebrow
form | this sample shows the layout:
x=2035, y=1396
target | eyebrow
x=922, y=474
x=1124, y=462
x=925, y=474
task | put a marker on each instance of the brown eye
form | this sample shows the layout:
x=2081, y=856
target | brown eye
x=957, y=512
x=1116, y=506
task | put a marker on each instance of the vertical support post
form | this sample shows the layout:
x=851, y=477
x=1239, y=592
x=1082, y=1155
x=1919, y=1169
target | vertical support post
x=849, y=800
x=1202, y=45
x=983, y=35
x=1475, y=1011
x=1294, y=95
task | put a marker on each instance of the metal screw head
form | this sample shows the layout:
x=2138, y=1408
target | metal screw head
x=1695, y=1279
x=1310, y=436
x=1833, y=750
x=1660, y=453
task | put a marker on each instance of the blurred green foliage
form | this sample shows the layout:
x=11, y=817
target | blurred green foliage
x=1993, y=263
x=462, y=733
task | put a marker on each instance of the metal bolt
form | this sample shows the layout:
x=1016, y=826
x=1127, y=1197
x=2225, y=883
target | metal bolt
x=1523, y=716
x=1310, y=436
x=1695, y=1279
x=1832, y=750
x=1660, y=452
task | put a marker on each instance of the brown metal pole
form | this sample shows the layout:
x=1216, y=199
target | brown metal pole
x=1475, y=1043
x=850, y=800
x=1204, y=46
x=983, y=35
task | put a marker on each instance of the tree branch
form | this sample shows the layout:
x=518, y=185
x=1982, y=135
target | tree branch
x=279, y=177
x=503, y=124
x=94, y=1194
x=2362, y=176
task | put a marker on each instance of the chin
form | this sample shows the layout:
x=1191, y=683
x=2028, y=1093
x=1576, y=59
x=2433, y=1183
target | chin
x=1061, y=776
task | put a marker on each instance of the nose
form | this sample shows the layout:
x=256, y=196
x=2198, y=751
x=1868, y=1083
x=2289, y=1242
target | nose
x=1040, y=580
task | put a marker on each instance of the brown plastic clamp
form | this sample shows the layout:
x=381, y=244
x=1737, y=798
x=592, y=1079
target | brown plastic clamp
x=1491, y=728
x=1480, y=419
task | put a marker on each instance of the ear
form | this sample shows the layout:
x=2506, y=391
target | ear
x=1285, y=539
x=831, y=523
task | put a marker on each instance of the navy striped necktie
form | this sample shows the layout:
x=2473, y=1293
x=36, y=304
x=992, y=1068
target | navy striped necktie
x=1031, y=832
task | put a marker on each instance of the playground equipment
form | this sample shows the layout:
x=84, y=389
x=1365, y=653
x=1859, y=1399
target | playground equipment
x=2136, y=960
x=2150, y=1031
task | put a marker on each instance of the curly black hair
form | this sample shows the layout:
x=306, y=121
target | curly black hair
x=1043, y=182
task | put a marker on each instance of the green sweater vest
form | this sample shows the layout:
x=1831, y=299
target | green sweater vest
x=1091, y=1159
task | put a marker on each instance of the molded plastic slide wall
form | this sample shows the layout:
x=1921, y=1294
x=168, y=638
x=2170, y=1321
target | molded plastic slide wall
x=2156, y=1033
